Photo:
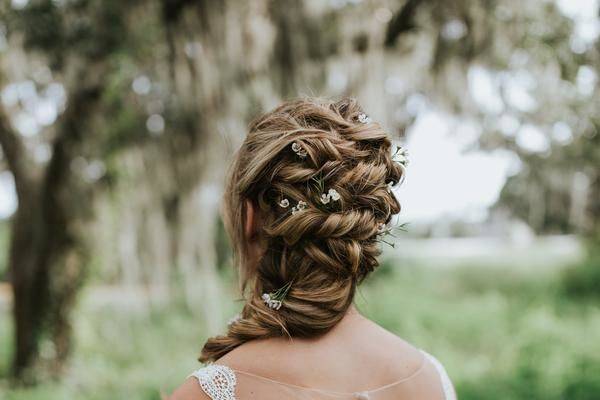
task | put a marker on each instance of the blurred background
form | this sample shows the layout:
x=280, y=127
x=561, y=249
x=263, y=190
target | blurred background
x=118, y=119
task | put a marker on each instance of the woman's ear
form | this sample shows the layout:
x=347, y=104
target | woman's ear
x=250, y=220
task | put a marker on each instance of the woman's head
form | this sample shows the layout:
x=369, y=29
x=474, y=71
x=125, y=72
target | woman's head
x=299, y=153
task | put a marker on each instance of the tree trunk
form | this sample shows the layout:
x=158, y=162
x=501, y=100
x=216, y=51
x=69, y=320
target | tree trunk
x=45, y=277
x=45, y=258
x=21, y=264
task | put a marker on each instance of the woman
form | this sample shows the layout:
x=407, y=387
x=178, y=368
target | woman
x=307, y=204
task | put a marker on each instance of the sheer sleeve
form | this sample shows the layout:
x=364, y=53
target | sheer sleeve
x=217, y=381
x=447, y=386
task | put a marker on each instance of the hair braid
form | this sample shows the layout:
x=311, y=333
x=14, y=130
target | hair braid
x=326, y=250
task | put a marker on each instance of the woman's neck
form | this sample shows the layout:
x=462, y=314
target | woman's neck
x=349, y=320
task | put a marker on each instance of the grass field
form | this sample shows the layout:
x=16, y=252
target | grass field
x=502, y=332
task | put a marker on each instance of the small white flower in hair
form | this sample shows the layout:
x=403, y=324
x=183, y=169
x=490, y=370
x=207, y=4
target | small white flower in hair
x=364, y=118
x=271, y=303
x=274, y=300
x=390, y=186
x=335, y=196
x=332, y=194
x=284, y=203
x=299, y=207
x=401, y=156
x=234, y=319
x=297, y=148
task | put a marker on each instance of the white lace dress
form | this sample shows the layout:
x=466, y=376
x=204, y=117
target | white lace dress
x=219, y=383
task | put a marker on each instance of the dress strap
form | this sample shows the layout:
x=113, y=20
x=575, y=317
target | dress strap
x=217, y=381
x=449, y=392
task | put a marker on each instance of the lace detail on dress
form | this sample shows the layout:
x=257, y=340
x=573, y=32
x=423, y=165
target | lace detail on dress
x=449, y=393
x=217, y=381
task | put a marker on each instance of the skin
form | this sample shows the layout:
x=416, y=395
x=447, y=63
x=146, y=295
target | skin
x=356, y=354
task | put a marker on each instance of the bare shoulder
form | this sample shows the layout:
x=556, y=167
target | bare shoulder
x=397, y=354
x=189, y=390
x=411, y=361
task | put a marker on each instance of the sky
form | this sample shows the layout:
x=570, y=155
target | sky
x=444, y=178
x=8, y=201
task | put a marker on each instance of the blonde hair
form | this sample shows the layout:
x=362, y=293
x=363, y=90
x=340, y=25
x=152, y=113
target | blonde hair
x=325, y=250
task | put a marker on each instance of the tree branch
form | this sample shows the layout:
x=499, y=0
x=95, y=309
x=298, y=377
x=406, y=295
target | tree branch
x=73, y=128
x=402, y=22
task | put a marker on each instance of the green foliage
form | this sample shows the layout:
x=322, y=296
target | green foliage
x=583, y=280
x=502, y=332
x=84, y=28
x=118, y=356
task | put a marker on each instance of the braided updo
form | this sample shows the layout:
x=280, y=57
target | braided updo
x=295, y=154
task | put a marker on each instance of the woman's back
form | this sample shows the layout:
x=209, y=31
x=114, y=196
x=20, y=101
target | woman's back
x=355, y=360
